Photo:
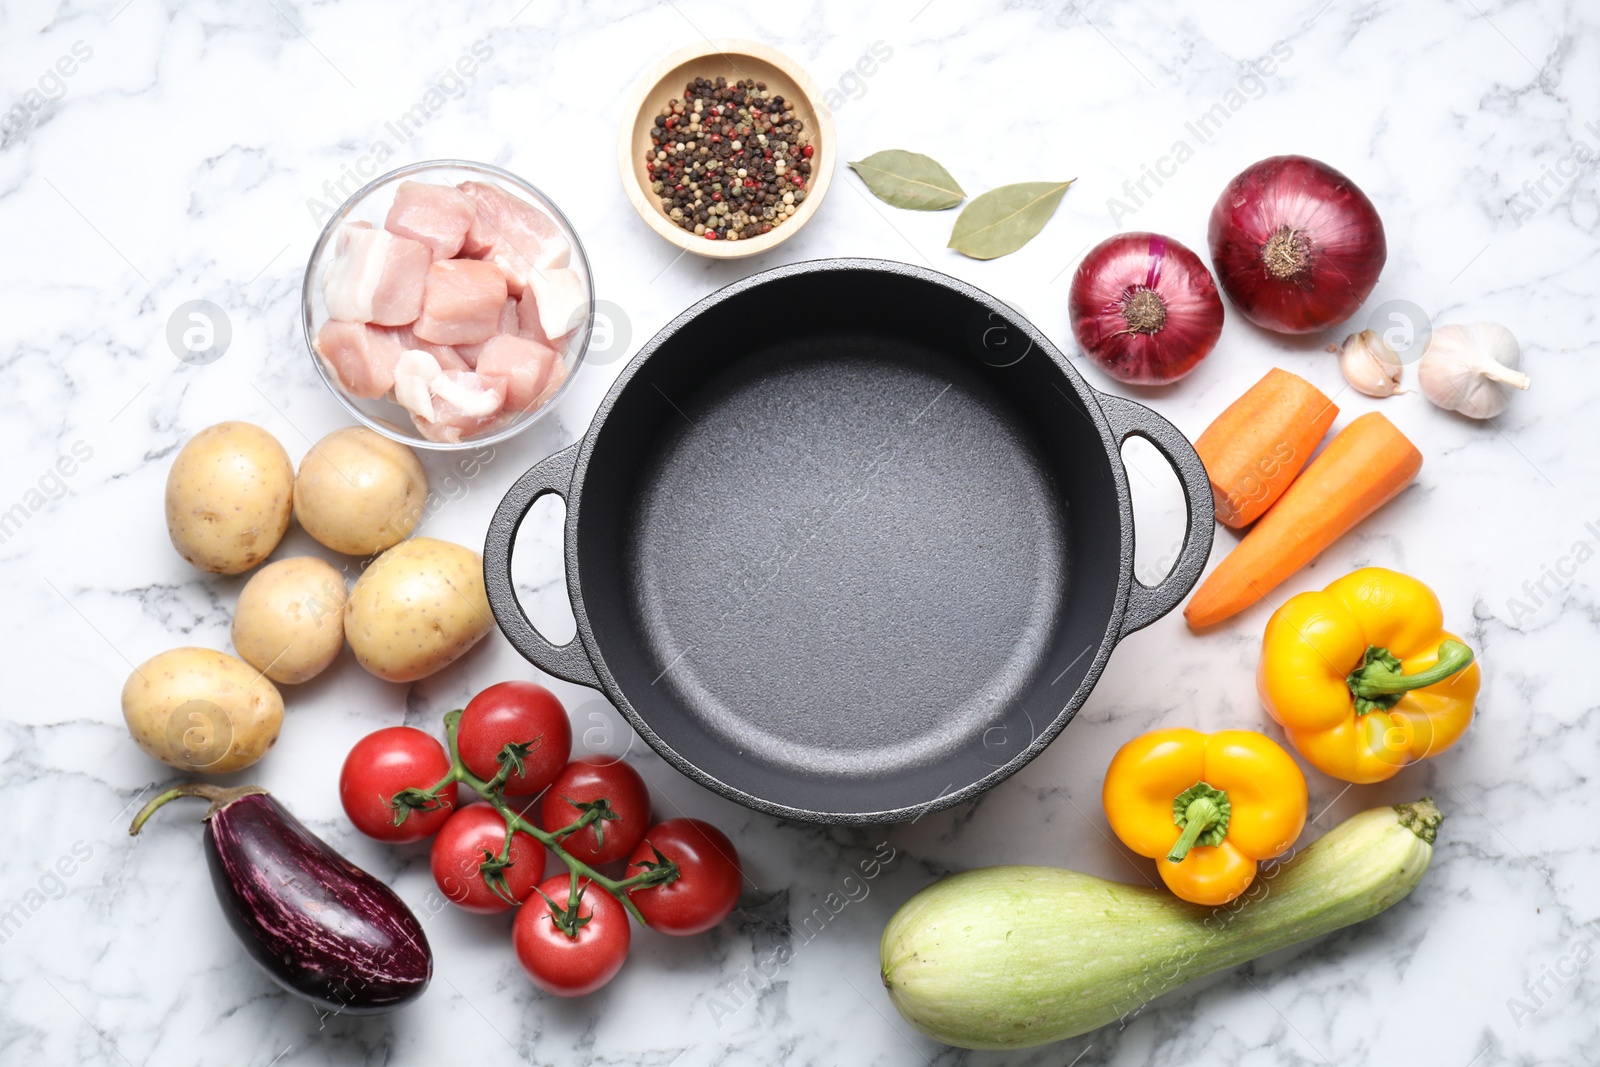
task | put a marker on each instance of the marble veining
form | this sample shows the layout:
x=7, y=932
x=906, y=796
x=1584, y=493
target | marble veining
x=153, y=153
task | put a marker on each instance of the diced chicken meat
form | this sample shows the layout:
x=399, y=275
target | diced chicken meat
x=525, y=366
x=436, y=215
x=362, y=357
x=375, y=276
x=528, y=322
x=469, y=392
x=463, y=404
x=559, y=302
x=558, y=377
x=462, y=303
x=508, y=324
x=413, y=373
x=406, y=338
x=448, y=356
x=516, y=236
x=458, y=309
x=446, y=404
x=531, y=326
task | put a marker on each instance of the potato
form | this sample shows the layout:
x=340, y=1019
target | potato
x=417, y=609
x=290, y=620
x=359, y=492
x=229, y=496
x=197, y=709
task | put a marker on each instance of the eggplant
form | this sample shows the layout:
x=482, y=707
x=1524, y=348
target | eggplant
x=323, y=928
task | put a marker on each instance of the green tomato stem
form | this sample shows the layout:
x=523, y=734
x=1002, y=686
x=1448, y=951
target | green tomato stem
x=586, y=819
x=551, y=840
x=499, y=780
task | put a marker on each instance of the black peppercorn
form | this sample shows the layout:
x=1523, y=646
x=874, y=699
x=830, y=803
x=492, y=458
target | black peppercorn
x=714, y=189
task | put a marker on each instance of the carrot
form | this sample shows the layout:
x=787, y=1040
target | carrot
x=1253, y=450
x=1364, y=466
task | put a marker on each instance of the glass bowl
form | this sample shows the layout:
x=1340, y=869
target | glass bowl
x=371, y=204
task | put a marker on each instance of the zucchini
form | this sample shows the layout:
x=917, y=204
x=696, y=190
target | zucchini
x=1007, y=957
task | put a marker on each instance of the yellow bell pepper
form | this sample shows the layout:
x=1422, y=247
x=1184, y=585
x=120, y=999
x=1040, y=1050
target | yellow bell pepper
x=1363, y=676
x=1206, y=808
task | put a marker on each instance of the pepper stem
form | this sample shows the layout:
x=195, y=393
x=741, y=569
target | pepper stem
x=1378, y=684
x=1202, y=811
x=218, y=796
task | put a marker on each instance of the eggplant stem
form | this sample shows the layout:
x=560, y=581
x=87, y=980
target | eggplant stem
x=216, y=794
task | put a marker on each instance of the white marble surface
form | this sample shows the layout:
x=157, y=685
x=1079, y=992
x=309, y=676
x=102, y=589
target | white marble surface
x=176, y=162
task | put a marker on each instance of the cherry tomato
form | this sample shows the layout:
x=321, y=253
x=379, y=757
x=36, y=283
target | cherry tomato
x=571, y=966
x=708, y=882
x=381, y=765
x=520, y=713
x=458, y=853
x=587, y=780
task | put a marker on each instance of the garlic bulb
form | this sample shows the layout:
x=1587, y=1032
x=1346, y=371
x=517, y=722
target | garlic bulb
x=1468, y=369
x=1370, y=363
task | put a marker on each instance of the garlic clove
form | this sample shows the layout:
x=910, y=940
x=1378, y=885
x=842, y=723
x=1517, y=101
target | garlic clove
x=1472, y=369
x=1370, y=363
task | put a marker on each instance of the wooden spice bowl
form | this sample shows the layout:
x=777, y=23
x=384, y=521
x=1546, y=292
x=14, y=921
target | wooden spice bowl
x=731, y=59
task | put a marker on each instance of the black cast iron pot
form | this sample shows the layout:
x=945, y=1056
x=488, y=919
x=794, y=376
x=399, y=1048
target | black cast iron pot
x=849, y=541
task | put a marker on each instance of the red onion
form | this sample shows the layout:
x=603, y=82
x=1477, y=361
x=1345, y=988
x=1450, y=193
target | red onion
x=1296, y=245
x=1144, y=307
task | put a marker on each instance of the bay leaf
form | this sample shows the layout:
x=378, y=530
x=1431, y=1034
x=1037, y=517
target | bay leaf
x=1003, y=220
x=909, y=180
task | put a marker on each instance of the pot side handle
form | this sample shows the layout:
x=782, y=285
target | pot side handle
x=569, y=661
x=1147, y=603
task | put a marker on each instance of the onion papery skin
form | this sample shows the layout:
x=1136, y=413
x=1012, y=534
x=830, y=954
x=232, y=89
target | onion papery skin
x=1111, y=308
x=1337, y=232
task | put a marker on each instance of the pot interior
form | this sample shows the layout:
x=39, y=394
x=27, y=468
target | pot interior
x=848, y=542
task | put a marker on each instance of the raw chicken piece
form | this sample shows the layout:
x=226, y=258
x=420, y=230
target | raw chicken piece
x=452, y=426
x=362, y=357
x=519, y=238
x=530, y=325
x=470, y=393
x=404, y=337
x=558, y=376
x=449, y=357
x=559, y=301
x=375, y=276
x=528, y=322
x=464, y=404
x=353, y=274
x=462, y=303
x=522, y=364
x=436, y=215
x=398, y=298
x=412, y=375
x=445, y=404
x=508, y=324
